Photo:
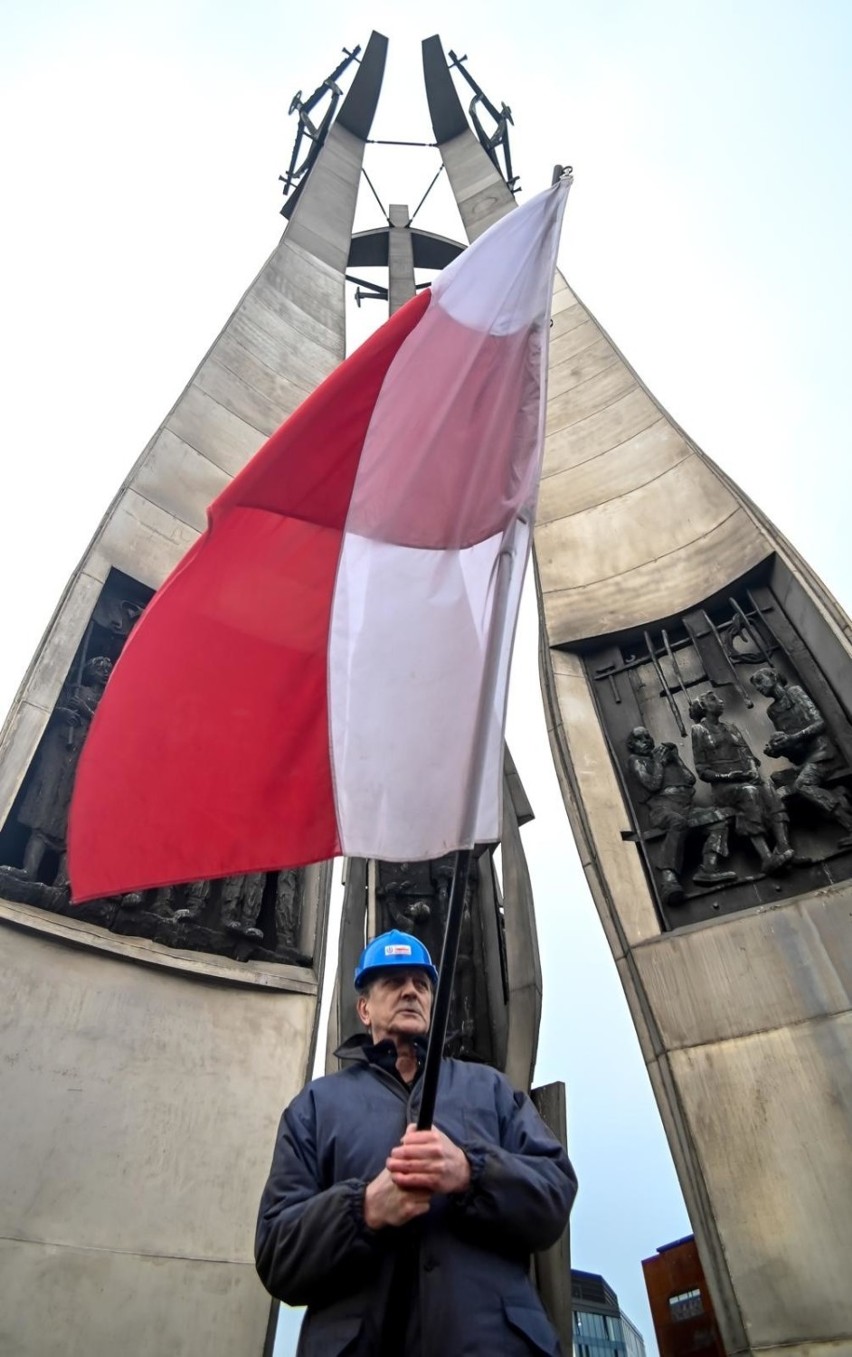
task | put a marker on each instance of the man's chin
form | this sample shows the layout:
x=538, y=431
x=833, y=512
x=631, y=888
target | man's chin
x=407, y=1025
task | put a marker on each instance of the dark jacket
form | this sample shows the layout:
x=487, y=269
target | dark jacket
x=462, y=1270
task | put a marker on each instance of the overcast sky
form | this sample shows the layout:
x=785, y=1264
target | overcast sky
x=708, y=231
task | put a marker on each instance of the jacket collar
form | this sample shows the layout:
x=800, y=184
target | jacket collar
x=383, y=1053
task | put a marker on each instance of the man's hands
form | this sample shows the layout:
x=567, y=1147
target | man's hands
x=428, y=1161
x=387, y=1204
x=424, y=1163
x=781, y=743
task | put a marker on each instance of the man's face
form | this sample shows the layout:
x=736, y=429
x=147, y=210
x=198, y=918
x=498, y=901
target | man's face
x=398, y=1004
x=641, y=741
x=713, y=704
x=99, y=669
x=764, y=681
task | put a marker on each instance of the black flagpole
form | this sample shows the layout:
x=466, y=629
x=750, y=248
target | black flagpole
x=455, y=907
x=444, y=992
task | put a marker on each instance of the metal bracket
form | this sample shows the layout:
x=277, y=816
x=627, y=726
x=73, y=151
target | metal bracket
x=314, y=133
x=499, y=138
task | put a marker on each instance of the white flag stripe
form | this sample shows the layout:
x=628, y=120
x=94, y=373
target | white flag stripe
x=515, y=295
x=408, y=643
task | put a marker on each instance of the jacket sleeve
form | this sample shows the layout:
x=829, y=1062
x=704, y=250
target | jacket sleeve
x=309, y=1239
x=521, y=1190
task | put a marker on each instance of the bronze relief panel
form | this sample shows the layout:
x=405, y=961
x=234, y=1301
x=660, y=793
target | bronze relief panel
x=249, y=917
x=734, y=753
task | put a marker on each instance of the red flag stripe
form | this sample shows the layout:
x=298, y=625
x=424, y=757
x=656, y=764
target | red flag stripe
x=209, y=753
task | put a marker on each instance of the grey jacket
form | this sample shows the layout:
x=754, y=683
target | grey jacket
x=459, y=1275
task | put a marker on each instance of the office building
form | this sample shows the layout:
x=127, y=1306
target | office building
x=681, y=1308
x=601, y=1327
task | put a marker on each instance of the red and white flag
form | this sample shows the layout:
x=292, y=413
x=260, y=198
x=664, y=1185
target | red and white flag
x=326, y=670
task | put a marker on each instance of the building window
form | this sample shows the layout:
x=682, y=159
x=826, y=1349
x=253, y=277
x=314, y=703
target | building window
x=686, y=1305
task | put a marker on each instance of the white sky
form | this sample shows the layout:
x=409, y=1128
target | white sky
x=708, y=231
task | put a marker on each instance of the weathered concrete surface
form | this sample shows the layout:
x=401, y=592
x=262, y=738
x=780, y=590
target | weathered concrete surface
x=90, y=1303
x=769, y=1116
x=523, y=963
x=744, y=1023
x=481, y=195
x=842, y=1348
x=634, y=522
x=805, y=971
x=590, y=786
x=137, y=1121
x=401, y=282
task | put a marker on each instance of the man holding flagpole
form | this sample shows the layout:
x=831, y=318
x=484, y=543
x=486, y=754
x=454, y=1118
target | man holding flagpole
x=402, y=1241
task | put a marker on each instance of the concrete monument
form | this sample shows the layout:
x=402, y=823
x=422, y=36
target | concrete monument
x=697, y=681
x=660, y=584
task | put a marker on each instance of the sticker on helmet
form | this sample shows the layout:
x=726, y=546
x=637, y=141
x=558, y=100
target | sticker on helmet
x=398, y=949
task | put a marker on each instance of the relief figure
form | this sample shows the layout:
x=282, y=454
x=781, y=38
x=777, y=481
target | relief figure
x=44, y=809
x=287, y=910
x=197, y=895
x=242, y=897
x=801, y=737
x=724, y=760
x=666, y=788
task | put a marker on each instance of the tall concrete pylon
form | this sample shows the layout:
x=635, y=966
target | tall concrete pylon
x=658, y=582
x=143, y=1080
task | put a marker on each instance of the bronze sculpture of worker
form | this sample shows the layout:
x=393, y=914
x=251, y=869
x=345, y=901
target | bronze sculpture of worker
x=666, y=787
x=44, y=809
x=801, y=736
x=724, y=760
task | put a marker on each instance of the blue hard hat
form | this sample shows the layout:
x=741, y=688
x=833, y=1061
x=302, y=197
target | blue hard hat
x=393, y=949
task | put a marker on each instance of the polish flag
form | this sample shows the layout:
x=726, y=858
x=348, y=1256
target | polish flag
x=325, y=672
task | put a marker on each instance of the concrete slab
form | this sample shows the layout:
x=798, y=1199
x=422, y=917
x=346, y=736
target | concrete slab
x=179, y=479
x=753, y=972
x=769, y=1114
x=623, y=417
x=605, y=814
x=179, y=1306
x=141, y=539
x=645, y=593
x=610, y=475
x=118, y=1067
